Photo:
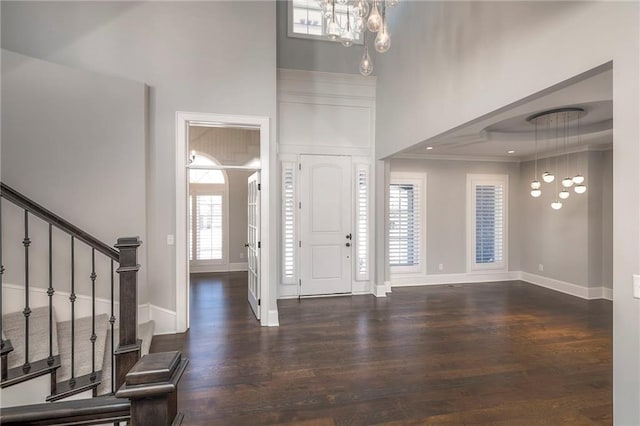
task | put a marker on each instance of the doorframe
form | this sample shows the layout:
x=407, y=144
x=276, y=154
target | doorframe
x=183, y=121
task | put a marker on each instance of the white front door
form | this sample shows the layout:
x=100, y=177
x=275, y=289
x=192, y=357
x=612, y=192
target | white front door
x=253, y=241
x=325, y=220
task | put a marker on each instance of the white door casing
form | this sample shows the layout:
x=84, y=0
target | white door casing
x=253, y=242
x=325, y=224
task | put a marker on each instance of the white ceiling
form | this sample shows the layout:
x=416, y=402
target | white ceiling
x=492, y=136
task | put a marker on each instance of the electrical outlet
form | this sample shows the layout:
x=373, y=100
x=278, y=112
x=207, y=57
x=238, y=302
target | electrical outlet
x=171, y=239
x=440, y=267
x=636, y=286
x=540, y=267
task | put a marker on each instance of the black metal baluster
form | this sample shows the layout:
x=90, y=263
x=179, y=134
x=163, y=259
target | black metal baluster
x=72, y=298
x=50, y=293
x=27, y=310
x=93, y=314
x=112, y=320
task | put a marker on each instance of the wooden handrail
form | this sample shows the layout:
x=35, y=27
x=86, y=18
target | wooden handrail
x=101, y=410
x=48, y=216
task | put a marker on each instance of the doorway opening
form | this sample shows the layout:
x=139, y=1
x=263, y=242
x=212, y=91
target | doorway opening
x=219, y=217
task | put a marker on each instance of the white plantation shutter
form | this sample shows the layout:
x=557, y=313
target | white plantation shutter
x=362, y=223
x=405, y=225
x=208, y=216
x=288, y=223
x=488, y=224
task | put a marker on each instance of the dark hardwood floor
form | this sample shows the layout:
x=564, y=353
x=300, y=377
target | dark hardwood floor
x=475, y=354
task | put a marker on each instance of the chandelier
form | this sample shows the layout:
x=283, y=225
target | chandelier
x=351, y=20
x=555, y=126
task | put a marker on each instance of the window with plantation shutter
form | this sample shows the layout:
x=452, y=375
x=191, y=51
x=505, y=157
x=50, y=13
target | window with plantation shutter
x=362, y=223
x=288, y=223
x=487, y=221
x=405, y=224
x=207, y=220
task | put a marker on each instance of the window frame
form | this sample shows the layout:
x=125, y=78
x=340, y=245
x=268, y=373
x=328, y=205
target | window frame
x=474, y=180
x=419, y=180
x=323, y=37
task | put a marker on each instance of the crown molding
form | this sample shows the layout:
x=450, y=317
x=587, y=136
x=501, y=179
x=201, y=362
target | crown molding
x=445, y=157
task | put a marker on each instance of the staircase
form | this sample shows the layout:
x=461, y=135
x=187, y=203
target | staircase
x=72, y=344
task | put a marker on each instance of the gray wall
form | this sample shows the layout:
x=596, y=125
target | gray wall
x=446, y=209
x=191, y=54
x=73, y=141
x=311, y=55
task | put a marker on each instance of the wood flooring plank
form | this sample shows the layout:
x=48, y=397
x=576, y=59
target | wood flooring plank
x=506, y=353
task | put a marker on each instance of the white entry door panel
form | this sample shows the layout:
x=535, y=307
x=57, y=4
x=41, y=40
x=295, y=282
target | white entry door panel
x=325, y=220
x=253, y=242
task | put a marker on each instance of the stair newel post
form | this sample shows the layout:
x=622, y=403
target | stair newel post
x=128, y=352
x=72, y=299
x=26, y=242
x=112, y=320
x=93, y=339
x=5, y=345
x=50, y=292
x=152, y=388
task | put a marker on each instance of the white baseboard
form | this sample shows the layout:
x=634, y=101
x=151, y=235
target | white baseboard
x=439, y=279
x=288, y=291
x=388, y=285
x=380, y=290
x=164, y=319
x=227, y=267
x=13, y=300
x=588, y=293
x=272, y=318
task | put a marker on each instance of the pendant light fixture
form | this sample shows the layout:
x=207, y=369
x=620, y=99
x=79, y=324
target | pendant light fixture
x=348, y=21
x=557, y=117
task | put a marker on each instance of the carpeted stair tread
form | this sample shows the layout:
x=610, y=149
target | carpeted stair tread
x=14, y=328
x=145, y=332
x=82, y=346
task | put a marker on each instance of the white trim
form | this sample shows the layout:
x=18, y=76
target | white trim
x=272, y=318
x=451, y=157
x=183, y=120
x=588, y=293
x=380, y=290
x=488, y=179
x=461, y=278
x=164, y=320
x=227, y=267
x=13, y=298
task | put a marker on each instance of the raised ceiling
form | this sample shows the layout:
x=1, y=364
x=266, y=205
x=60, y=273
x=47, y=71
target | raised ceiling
x=495, y=135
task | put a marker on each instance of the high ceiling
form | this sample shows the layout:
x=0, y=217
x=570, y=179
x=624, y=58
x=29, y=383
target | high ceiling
x=495, y=135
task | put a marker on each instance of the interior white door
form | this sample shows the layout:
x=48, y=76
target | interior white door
x=253, y=242
x=325, y=220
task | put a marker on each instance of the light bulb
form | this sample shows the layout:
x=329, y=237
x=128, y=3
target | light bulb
x=333, y=30
x=347, y=38
x=580, y=189
x=392, y=3
x=366, y=66
x=578, y=179
x=556, y=205
x=536, y=184
x=374, y=22
x=564, y=194
x=535, y=193
x=548, y=177
x=567, y=182
x=383, y=40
